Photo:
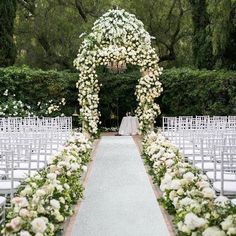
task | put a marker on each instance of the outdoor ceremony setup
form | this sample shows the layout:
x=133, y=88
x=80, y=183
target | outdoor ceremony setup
x=70, y=70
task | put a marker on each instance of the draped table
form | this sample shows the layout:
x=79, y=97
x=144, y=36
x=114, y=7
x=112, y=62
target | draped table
x=129, y=125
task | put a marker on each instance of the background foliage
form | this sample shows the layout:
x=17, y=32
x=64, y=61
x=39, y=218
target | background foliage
x=198, y=33
x=186, y=91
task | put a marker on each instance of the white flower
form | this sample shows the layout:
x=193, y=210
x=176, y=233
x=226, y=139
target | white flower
x=231, y=231
x=52, y=176
x=227, y=223
x=202, y=184
x=192, y=221
x=59, y=217
x=221, y=201
x=169, y=162
x=24, y=233
x=84, y=168
x=66, y=186
x=15, y=223
x=24, y=213
x=39, y=225
x=182, y=227
x=186, y=201
x=20, y=201
x=40, y=193
x=175, y=184
x=213, y=231
x=55, y=204
x=188, y=176
x=208, y=193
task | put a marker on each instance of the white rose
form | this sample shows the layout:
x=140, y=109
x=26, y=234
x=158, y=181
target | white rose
x=192, y=221
x=66, y=186
x=182, y=227
x=24, y=213
x=175, y=184
x=39, y=225
x=180, y=191
x=221, y=201
x=24, y=233
x=210, y=231
x=208, y=193
x=231, y=231
x=20, y=201
x=203, y=184
x=62, y=200
x=40, y=193
x=227, y=223
x=186, y=202
x=169, y=162
x=55, y=204
x=51, y=176
x=15, y=223
x=189, y=176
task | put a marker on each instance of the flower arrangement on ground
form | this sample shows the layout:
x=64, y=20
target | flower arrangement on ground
x=46, y=199
x=187, y=194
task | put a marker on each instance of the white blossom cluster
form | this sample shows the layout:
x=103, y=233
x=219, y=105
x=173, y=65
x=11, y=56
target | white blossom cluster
x=120, y=37
x=187, y=194
x=47, y=197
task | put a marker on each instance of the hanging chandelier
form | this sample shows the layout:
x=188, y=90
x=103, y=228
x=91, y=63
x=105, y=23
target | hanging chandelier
x=116, y=66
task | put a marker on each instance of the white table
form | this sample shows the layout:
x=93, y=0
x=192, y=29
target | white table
x=129, y=125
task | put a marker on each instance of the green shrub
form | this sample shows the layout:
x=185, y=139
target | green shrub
x=198, y=92
x=34, y=86
x=186, y=91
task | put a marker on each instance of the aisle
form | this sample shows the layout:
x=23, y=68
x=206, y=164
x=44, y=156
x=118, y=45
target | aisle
x=119, y=200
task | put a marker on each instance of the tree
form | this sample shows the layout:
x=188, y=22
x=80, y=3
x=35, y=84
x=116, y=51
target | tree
x=48, y=31
x=223, y=27
x=201, y=41
x=7, y=45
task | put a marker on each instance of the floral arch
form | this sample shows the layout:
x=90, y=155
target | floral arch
x=118, y=38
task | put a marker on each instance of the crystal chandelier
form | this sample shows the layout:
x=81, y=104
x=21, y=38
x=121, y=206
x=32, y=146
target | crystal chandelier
x=116, y=66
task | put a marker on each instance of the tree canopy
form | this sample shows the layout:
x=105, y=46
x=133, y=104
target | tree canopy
x=200, y=33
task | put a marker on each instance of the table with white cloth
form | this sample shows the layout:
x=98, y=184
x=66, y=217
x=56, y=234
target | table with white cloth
x=129, y=125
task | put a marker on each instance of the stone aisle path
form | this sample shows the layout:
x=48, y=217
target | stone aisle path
x=119, y=200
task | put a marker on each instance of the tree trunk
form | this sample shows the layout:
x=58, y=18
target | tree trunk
x=201, y=42
x=7, y=45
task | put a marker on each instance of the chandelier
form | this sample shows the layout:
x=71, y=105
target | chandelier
x=116, y=66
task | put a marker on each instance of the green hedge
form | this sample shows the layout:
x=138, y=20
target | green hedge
x=198, y=92
x=186, y=91
x=33, y=86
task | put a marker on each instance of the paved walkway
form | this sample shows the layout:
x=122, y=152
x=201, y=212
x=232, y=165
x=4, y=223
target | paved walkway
x=119, y=200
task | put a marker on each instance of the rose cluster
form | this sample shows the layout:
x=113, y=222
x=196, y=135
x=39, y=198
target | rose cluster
x=118, y=37
x=46, y=199
x=187, y=194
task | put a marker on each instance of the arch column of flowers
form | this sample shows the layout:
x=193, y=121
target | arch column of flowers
x=118, y=37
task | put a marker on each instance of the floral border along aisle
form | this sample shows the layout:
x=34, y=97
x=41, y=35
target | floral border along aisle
x=187, y=194
x=46, y=199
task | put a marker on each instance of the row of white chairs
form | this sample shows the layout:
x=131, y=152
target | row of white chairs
x=198, y=122
x=213, y=151
x=19, y=124
x=26, y=146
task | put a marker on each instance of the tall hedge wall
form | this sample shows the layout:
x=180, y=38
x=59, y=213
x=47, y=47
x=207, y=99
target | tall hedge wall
x=186, y=91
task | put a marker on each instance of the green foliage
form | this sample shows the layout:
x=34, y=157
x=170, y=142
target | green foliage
x=201, y=40
x=186, y=91
x=223, y=28
x=7, y=46
x=34, y=86
x=198, y=92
